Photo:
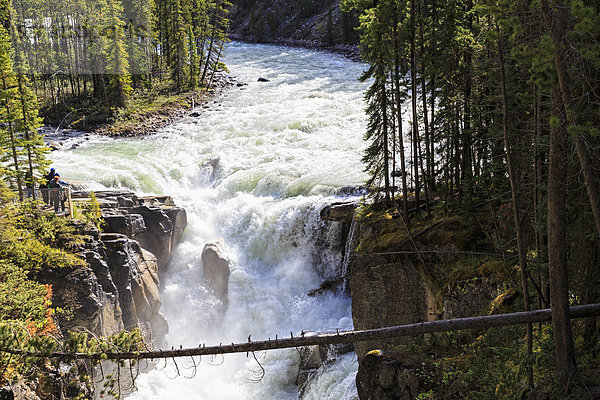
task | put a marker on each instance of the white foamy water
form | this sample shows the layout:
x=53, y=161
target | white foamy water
x=284, y=147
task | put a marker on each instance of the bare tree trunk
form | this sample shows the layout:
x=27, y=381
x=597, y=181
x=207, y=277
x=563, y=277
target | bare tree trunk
x=386, y=161
x=539, y=179
x=415, y=121
x=559, y=26
x=484, y=322
x=516, y=213
x=557, y=255
x=427, y=138
x=467, y=158
x=399, y=112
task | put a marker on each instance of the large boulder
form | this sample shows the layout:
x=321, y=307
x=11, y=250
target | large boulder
x=216, y=269
x=339, y=212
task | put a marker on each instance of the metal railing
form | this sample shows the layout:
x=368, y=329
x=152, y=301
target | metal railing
x=57, y=198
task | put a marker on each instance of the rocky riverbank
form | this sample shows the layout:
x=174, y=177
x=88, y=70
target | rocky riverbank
x=350, y=51
x=143, y=115
x=119, y=287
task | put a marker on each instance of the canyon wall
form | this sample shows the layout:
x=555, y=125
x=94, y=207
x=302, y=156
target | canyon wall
x=119, y=288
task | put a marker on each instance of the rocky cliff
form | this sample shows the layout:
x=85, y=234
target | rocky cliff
x=441, y=273
x=119, y=287
x=303, y=23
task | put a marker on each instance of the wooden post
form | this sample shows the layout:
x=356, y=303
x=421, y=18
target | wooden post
x=70, y=202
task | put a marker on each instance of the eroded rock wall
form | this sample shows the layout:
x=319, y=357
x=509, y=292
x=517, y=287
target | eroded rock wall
x=386, y=294
x=392, y=285
x=119, y=287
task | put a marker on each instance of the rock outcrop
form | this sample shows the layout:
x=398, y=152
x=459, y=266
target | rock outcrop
x=339, y=212
x=118, y=288
x=387, y=294
x=399, y=278
x=216, y=269
x=155, y=222
x=313, y=24
x=387, y=375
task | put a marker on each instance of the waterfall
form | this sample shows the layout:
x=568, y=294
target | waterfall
x=254, y=169
x=348, y=252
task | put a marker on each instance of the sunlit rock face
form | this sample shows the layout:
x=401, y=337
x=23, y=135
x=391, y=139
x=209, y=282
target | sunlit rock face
x=119, y=288
x=216, y=269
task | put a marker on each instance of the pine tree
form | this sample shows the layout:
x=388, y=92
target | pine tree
x=10, y=144
x=27, y=123
x=23, y=147
x=119, y=81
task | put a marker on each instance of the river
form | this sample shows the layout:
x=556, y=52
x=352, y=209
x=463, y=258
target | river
x=285, y=148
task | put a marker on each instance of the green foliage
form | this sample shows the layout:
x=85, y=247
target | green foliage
x=491, y=365
x=32, y=241
x=26, y=303
x=90, y=212
x=48, y=228
x=86, y=59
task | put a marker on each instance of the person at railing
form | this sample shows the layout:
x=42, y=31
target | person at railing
x=47, y=178
x=62, y=183
x=57, y=193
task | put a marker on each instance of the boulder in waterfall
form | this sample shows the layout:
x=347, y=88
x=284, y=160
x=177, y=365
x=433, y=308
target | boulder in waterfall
x=352, y=191
x=314, y=358
x=54, y=145
x=339, y=212
x=216, y=268
x=261, y=79
x=210, y=168
x=311, y=359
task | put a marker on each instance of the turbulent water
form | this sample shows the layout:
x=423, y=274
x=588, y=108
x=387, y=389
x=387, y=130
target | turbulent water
x=285, y=148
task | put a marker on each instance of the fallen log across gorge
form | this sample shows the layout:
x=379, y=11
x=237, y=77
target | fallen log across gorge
x=482, y=322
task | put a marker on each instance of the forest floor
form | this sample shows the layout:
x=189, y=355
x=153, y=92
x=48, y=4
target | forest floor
x=146, y=111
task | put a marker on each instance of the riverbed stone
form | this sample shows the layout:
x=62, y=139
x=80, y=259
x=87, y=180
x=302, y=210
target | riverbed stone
x=216, y=269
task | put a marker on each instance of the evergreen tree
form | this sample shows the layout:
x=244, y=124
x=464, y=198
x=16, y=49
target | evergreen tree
x=119, y=84
x=10, y=144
